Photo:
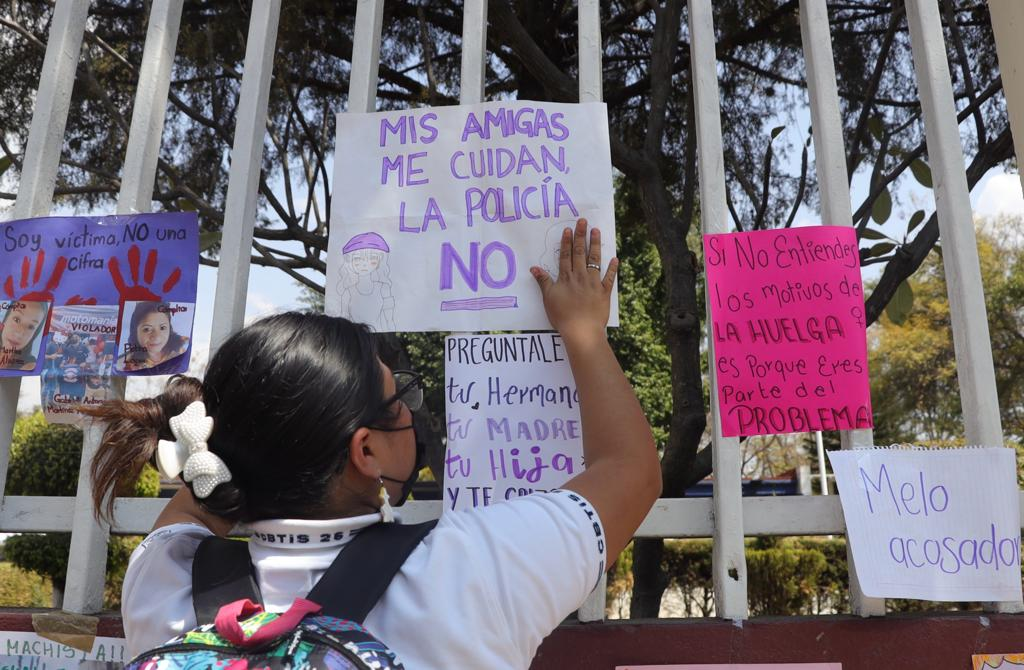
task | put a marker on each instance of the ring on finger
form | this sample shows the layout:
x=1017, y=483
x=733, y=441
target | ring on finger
x=593, y=266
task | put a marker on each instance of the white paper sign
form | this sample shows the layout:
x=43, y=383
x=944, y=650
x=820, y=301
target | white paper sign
x=932, y=524
x=438, y=213
x=513, y=418
x=32, y=651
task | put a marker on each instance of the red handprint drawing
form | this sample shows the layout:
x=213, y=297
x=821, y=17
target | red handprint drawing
x=137, y=291
x=30, y=291
x=148, y=339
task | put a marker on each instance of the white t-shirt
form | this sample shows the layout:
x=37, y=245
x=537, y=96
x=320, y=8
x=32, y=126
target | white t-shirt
x=482, y=590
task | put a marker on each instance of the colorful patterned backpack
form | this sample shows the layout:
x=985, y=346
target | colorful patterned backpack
x=321, y=632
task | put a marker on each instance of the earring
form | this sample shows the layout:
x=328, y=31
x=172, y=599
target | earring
x=387, y=512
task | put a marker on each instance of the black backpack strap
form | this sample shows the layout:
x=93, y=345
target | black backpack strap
x=364, y=569
x=222, y=572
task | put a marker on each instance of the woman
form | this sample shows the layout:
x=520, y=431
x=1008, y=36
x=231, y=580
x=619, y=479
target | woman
x=312, y=436
x=22, y=325
x=151, y=338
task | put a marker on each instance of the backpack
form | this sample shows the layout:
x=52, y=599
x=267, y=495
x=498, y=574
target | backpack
x=320, y=632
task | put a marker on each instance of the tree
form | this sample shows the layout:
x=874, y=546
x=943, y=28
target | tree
x=913, y=366
x=532, y=54
x=44, y=461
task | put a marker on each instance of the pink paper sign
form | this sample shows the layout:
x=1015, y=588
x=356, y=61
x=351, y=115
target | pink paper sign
x=787, y=313
x=737, y=666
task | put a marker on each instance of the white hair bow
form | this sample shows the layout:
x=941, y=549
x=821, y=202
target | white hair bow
x=189, y=456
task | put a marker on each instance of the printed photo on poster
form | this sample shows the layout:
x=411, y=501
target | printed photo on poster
x=155, y=336
x=78, y=360
x=21, y=334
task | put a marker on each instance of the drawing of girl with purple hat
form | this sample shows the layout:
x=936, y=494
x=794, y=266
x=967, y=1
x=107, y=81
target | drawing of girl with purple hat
x=365, y=285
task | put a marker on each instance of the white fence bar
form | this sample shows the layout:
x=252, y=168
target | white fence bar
x=244, y=175
x=729, y=566
x=1008, y=26
x=669, y=517
x=40, y=160
x=150, y=108
x=834, y=188
x=590, y=51
x=474, y=52
x=591, y=90
x=362, y=88
x=975, y=372
x=88, y=553
x=362, y=85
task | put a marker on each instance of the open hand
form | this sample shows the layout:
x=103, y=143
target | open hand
x=578, y=303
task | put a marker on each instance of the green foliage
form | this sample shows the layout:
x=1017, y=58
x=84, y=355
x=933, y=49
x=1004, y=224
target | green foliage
x=782, y=579
x=45, y=461
x=19, y=588
x=914, y=389
x=902, y=302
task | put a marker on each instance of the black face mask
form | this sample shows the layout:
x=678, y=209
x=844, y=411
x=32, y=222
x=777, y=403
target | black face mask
x=408, y=482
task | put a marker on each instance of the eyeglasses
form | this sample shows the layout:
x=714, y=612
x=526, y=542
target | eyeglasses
x=408, y=389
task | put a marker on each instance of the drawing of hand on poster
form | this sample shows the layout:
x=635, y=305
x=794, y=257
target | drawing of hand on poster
x=438, y=213
x=50, y=263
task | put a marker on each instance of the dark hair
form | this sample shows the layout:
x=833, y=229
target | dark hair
x=286, y=395
x=137, y=352
x=26, y=351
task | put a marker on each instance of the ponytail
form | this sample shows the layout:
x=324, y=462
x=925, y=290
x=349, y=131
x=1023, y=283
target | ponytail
x=131, y=436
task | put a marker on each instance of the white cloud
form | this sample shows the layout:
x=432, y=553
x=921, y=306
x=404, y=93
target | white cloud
x=258, y=305
x=1000, y=194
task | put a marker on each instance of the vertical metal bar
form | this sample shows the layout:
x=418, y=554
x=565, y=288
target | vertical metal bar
x=139, y=174
x=243, y=178
x=590, y=51
x=1008, y=25
x=41, y=158
x=474, y=52
x=729, y=565
x=836, y=209
x=87, y=559
x=975, y=371
x=362, y=87
x=590, y=69
x=362, y=97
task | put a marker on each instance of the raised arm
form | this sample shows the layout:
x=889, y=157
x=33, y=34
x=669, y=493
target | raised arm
x=623, y=475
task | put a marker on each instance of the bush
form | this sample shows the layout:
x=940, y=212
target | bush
x=45, y=461
x=23, y=589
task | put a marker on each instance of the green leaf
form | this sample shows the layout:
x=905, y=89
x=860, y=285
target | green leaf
x=882, y=208
x=881, y=249
x=5, y=163
x=208, y=239
x=875, y=126
x=922, y=173
x=186, y=205
x=870, y=234
x=915, y=220
x=777, y=130
x=902, y=302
